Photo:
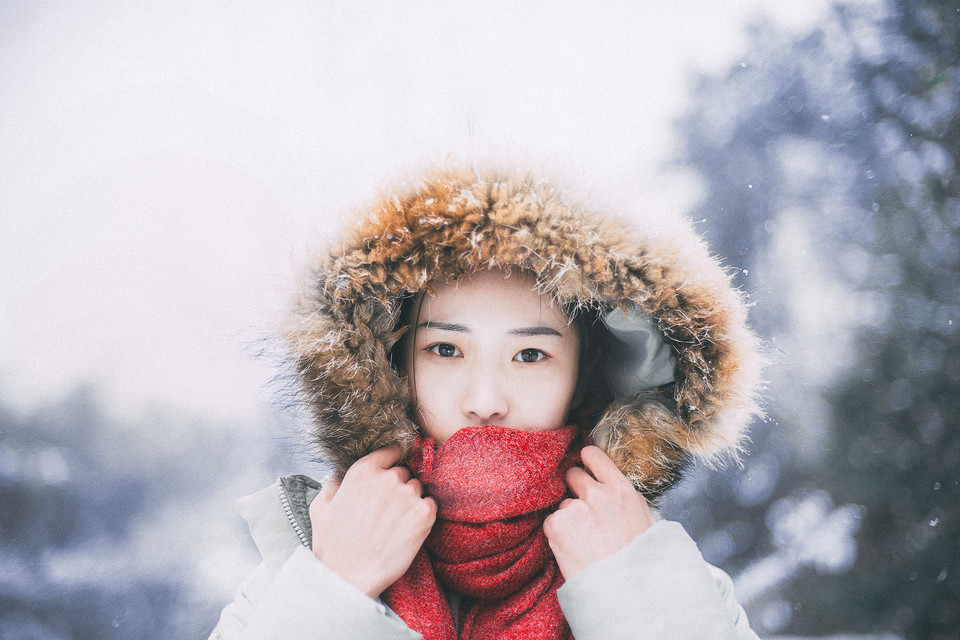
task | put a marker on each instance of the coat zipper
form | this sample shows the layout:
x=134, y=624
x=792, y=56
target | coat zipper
x=285, y=501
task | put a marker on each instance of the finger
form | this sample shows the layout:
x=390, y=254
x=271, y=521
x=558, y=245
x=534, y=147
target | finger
x=385, y=457
x=600, y=465
x=402, y=473
x=417, y=485
x=579, y=481
x=431, y=510
x=327, y=491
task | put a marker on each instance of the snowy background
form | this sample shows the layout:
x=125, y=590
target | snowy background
x=166, y=166
x=162, y=161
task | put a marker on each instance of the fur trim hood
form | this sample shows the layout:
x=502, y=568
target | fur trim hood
x=458, y=221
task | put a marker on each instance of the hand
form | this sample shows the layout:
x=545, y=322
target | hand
x=605, y=516
x=369, y=527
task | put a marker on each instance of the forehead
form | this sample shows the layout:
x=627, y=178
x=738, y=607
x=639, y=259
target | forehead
x=512, y=295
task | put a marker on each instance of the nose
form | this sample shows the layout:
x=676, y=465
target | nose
x=485, y=399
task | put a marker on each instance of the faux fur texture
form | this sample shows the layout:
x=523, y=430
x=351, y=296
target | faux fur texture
x=455, y=222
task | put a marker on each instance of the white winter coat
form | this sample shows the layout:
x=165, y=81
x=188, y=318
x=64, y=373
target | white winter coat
x=659, y=586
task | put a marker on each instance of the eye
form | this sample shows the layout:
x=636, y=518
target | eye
x=530, y=355
x=445, y=350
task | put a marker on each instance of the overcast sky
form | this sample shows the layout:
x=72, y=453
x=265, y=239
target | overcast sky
x=164, y=165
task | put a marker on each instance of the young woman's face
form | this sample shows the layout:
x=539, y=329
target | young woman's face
x=490, y=350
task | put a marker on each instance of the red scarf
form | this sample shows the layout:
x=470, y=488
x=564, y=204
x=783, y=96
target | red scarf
x=494, y=487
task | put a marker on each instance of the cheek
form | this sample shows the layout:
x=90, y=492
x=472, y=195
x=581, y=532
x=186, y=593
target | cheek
x=568, y=387
x=426, y=397
x=548, y=401
x=432, y=398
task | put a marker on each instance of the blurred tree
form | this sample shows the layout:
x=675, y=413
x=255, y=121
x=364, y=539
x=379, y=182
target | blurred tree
x=105, y=525
x=831, y=164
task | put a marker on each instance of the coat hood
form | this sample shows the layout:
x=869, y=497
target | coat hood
x=682, y=367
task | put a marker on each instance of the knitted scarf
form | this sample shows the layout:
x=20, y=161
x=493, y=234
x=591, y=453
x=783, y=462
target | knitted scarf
x=494, y=487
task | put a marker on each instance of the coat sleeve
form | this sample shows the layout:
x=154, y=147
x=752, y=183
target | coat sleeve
x=306, y=600
x=292, y=594
x=659, y=586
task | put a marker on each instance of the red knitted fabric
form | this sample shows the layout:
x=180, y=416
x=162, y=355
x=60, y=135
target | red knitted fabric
x=494, y=487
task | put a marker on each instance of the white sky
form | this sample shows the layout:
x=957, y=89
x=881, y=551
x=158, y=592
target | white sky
x=163, y=163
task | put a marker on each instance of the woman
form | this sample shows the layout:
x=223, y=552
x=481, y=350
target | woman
x=501, y=381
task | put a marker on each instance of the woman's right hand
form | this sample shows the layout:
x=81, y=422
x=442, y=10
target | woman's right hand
x=368, y=528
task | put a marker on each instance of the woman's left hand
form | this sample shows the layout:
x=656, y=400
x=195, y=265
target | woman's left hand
x=606, y=514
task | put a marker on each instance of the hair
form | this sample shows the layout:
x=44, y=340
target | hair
x=407, y=322
x=591, y=393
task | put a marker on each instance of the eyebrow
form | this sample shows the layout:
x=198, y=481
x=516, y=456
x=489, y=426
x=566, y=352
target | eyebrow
x=523, y=331
x=444, y=326
x=535, y=331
